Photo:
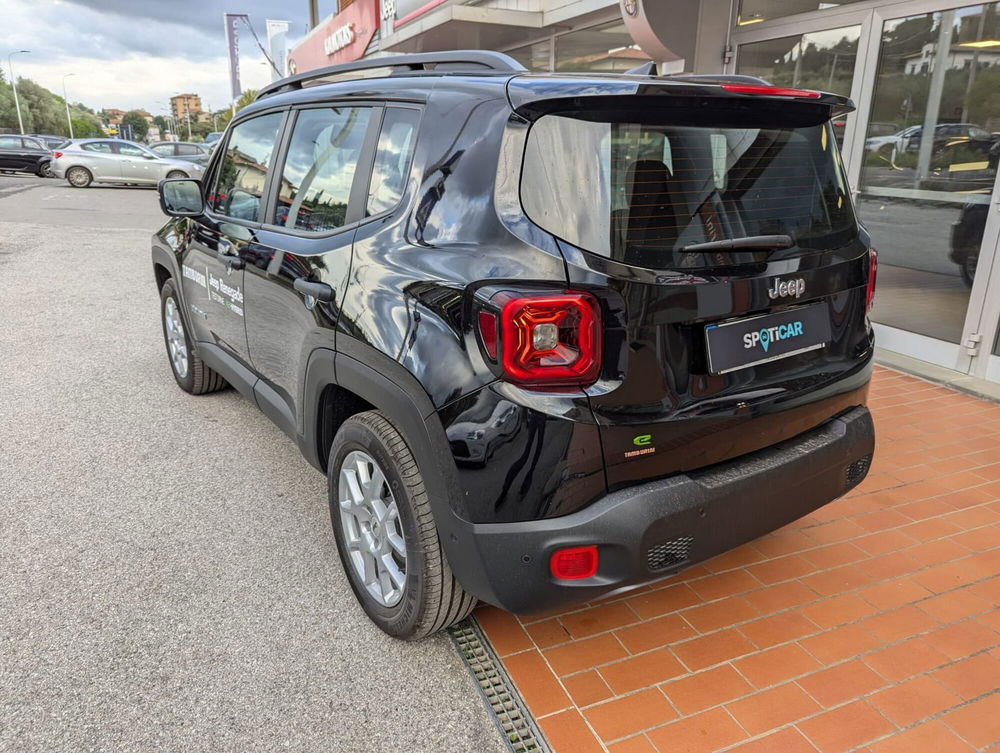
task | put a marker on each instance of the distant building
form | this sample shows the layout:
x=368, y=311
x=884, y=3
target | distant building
x=181, y=105
x=112, y=115
x=958, y=57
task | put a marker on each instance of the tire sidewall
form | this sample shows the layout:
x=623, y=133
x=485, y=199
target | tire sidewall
x=168, y=291
x=72, y=170
x=402, y=619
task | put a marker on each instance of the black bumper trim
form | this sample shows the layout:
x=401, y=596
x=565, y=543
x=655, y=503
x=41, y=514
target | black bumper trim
x=718, y=508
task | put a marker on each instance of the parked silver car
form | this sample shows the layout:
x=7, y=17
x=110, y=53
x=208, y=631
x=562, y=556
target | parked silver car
x=86, y=161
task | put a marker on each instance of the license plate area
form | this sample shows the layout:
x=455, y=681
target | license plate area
x=741, y=343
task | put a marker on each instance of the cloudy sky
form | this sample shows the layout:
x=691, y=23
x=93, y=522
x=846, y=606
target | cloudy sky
x=137, y=53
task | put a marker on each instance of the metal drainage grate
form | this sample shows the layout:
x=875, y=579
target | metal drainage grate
x=858, y=469
x=669, y=553
x=509, y=712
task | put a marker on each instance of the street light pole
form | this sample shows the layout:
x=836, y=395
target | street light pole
x=69, y=120
x=13, y=83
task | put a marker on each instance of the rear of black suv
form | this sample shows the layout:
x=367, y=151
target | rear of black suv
x=712, y=332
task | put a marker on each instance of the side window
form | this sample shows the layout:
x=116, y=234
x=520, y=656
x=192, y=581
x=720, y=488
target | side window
x=164, y=150
x=319, y=170
x=97, y=146
x=244, y=168
x=32, y=144
x=131, y=151
x=187, y=149
x=10, y=142
x=392, y=159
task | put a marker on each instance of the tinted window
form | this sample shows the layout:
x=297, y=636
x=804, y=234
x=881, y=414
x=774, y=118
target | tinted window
x=32, y=144
x=97, y=146
x=319, y=170
x=164, y=150
x=244, y=168
x=392, y=160
x=188, y=149
x=10, y=142
x=641, y=192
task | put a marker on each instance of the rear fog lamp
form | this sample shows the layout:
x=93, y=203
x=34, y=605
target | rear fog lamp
x=574, y=563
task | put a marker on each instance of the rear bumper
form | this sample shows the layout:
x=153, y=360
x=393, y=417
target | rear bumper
x=647, y=532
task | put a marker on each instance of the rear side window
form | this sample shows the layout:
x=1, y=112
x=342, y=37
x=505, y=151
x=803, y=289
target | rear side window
x=641, y=192
x=97, y=146
x=243, y=172
x=319, y=170
x=188, y=149
x=392, y=158
x=10, y=142
x=164, y=150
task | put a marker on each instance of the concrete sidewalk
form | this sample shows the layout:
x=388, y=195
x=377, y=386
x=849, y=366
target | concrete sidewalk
x=870, y=625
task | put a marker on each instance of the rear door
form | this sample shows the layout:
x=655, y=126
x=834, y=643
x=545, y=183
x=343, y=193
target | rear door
x=11, y=157
x=731, y=268
x=102, y=160
x=138, y=165
x=224, y=238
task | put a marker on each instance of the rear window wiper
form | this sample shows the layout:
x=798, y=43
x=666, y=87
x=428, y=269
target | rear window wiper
x=751, y=241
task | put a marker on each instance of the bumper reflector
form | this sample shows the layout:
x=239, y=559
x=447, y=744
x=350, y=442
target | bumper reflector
x=574, y=563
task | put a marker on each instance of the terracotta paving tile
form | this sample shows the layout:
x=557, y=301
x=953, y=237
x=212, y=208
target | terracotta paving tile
x=637, y=744
x=845, y=727
x=893, y=593
x=913, y=700
x=539, y=687
x=697, y=692
x=932, y=737
x=899, y=623
x=883, y=519
x=663, y=601
x=724, y=584
x=963, y=639
x=884, y=542
x=837, y=610
x=838, y=530
x=719, y=614
x=741, y=556
x=887, y=566
x=778, y=628
x=547, y=633
x=703, y=733
x=504, y=630
x=987, y=589
x=906, y=659
x=783, y=568
x=660, y=631
x=936, y=552
x=979, y=722
x=776, y=665
x=840, y=643
x=837, y=581
x=772, y=708
x=971, y=677
x=642, y=671
x=841, y=683
x=567, y=731
x=707, y=650
x=928, y=530
x=598, y=619
x=633, y=713
x=587, y=688
x=781, y=596
x=788, y=740
x=955, y=605
x=573, y=657
x=787, y=542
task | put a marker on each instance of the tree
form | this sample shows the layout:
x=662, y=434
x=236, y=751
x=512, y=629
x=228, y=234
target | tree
x=200, y=130
x=245, y=99
x=86, y=126
x=138, y=124
x=161, y=122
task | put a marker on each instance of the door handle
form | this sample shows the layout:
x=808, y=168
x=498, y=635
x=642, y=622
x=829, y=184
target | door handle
x=318, y=290
x=226, y=253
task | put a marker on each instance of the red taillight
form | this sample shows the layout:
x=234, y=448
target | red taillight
x=574, y=563
x=57, y=155
x=872, y=274
x=773, y=91
x=549, y=340
x=488, y=332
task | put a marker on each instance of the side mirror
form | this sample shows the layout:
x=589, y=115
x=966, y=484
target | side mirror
x=181, y=197
x=150, y=156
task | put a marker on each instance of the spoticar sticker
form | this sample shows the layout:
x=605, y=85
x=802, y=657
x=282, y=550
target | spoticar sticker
x=642, y=440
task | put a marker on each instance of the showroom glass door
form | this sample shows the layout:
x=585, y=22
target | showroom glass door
x=925, y=174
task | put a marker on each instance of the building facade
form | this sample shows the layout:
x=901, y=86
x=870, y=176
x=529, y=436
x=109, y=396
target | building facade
x=921, y=150
x=182, y=105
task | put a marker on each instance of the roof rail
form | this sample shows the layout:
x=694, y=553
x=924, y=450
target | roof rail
x=471, y=60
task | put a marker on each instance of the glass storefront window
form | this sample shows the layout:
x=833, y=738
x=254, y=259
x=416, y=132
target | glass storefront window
x=821, y=60
x=930, y=163
x=534, y=57
x=601, y=49
x=755, y=11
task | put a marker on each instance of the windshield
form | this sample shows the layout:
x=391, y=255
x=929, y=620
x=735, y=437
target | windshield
x=640, y=192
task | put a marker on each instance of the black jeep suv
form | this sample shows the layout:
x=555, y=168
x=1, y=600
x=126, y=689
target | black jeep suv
x=549, y=336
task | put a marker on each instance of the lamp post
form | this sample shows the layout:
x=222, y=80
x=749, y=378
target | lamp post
x=13, y=83
x=69, y=120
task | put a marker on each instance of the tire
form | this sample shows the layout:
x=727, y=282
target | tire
x=79, y=177
x=968, y=267
x=45, y=171
x=430, y=598
x=177, y=174
x=190, y=372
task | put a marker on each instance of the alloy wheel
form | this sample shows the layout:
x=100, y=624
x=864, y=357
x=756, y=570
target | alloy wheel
x=176, y=343
x=373, y=533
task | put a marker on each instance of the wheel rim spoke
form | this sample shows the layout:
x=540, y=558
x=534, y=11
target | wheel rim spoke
x=176, y=344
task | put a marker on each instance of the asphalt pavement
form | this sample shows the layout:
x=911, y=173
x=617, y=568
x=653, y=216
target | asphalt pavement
x=168, y=575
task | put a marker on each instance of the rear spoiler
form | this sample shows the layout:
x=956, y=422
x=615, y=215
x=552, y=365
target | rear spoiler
x=533, y=95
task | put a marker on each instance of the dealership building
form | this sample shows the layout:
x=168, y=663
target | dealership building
x=912, y=67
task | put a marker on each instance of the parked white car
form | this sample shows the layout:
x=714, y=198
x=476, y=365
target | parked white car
x=86, y=161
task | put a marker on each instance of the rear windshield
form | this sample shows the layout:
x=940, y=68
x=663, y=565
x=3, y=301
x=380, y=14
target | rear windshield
x=642, y=192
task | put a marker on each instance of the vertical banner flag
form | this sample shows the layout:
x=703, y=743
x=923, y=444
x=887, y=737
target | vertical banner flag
x=233, y=45
x=277, y=47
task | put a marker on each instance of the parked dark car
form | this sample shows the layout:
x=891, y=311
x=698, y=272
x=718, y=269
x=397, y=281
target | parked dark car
x=189, y=151
x=550, y=337
x=50, y=142
x=23, y=154
x=967, y=236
